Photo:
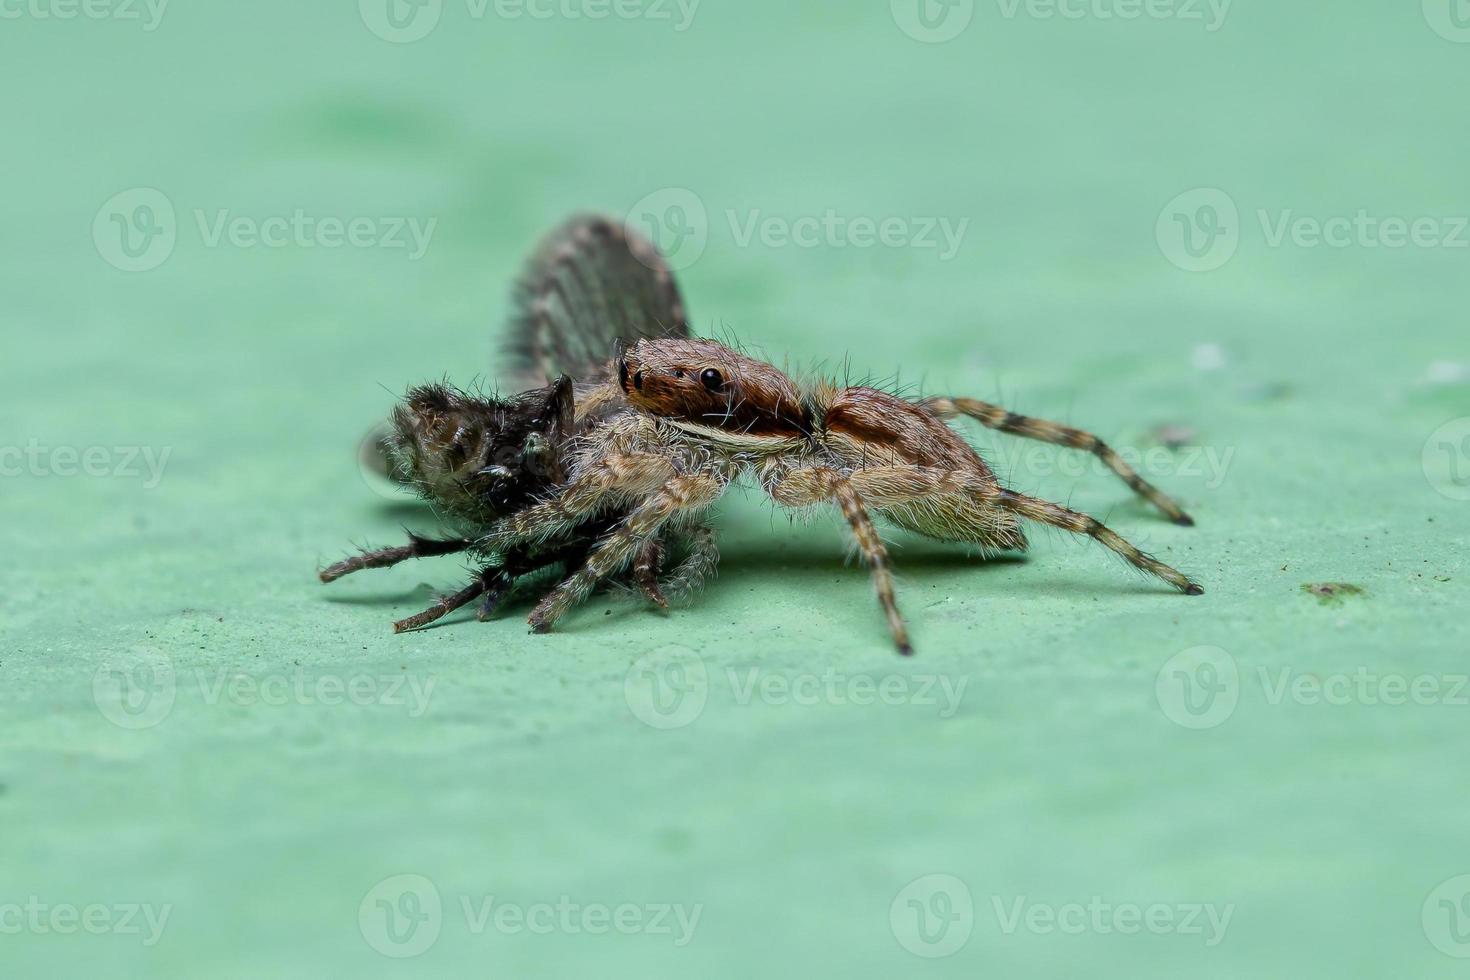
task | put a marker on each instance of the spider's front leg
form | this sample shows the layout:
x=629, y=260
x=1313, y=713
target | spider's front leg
x=1001, y=420
x=820, y=484
x=680, y=495
x=608, y=481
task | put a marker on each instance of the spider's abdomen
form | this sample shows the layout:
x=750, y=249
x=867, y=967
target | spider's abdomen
x=868, y=427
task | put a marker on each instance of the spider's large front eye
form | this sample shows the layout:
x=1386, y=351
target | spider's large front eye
x=712, y=379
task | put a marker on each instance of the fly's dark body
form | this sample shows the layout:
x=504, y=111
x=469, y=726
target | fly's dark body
x=477, y=458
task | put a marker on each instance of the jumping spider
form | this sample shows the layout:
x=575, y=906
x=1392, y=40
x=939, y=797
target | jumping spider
x=604, y=476
x=691, y=416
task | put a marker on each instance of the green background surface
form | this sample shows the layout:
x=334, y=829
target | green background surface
x=167, y=650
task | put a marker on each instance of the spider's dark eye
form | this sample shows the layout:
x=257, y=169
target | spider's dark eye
x=711, y=379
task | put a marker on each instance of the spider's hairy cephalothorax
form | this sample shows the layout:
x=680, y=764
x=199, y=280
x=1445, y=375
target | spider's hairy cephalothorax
x=700, y=415
x=707, y=383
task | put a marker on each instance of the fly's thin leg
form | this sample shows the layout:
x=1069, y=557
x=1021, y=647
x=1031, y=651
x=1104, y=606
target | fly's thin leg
x=417, y=547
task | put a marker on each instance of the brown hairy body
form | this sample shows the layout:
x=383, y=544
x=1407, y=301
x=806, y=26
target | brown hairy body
x=697, y=415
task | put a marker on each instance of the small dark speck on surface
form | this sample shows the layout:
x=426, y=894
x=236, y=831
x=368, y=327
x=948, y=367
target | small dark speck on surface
x=1173, y=436
x=1332, y=593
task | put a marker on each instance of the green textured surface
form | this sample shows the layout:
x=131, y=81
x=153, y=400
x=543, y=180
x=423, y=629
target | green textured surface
x=1059, y=778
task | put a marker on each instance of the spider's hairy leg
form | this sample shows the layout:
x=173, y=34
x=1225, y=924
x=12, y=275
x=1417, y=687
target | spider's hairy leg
x=813, y=485
x=689, y=576
x=447, y=604
x=646, y=571
x=626, y=474
x=681, y=494
x=998, y=418
x=1045, y=512
x=896, y=486
x=417, y=547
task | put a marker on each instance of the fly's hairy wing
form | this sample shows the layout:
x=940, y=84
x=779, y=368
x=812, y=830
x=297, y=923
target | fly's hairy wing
x=591, y=281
